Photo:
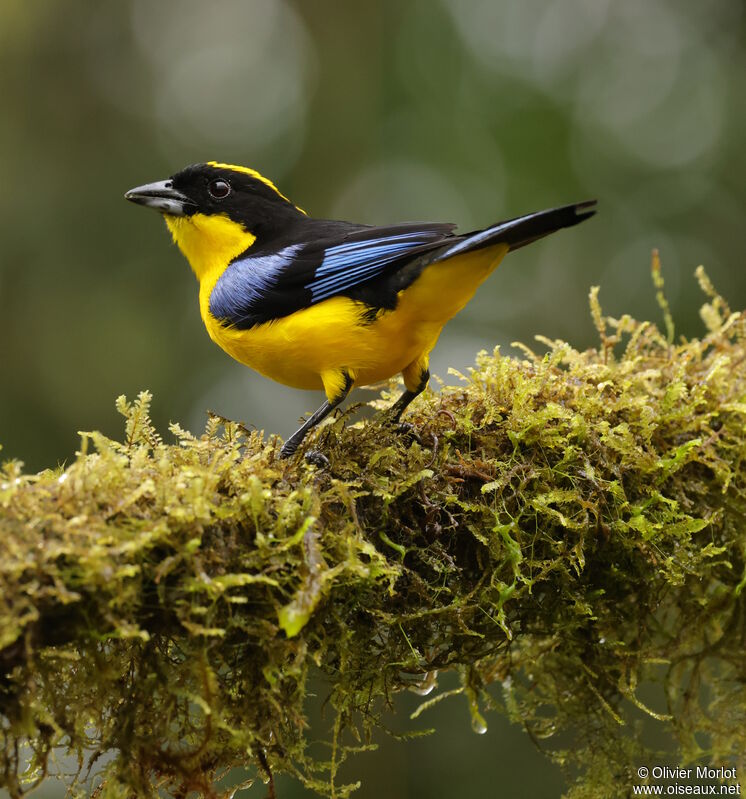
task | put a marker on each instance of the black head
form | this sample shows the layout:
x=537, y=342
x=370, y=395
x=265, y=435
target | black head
x=240, y=193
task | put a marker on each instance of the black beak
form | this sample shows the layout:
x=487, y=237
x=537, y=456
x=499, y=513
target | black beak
x=163, y=197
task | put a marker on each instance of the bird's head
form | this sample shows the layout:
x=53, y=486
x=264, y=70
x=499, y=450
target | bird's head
x=217, y=211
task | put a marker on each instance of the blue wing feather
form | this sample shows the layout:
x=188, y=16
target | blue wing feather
x=351, y=263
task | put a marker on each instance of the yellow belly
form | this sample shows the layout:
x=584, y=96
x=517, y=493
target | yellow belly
x=297, y=349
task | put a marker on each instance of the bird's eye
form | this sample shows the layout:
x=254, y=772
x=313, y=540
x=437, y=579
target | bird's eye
x=219, y=188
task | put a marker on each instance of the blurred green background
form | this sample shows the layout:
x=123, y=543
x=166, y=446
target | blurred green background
x=447, y=110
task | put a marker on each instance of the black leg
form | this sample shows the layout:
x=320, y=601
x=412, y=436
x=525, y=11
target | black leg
x=398, y=408
x=292, y=444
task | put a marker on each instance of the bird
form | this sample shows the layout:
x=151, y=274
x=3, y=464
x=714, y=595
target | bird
x=326, y=304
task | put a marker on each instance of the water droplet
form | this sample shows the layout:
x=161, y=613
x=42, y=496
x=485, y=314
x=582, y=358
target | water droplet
x=426, y=685
x=478, y=724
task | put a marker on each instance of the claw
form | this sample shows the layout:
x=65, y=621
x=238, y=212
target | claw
x=316, y=458
x=407, y=429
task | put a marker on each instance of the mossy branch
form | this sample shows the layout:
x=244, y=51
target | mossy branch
x=571, y=527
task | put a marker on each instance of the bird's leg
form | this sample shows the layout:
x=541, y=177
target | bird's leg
x=397, y=409
x=292, y=444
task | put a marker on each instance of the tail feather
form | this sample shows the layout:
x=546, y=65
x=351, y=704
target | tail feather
x=523, y=230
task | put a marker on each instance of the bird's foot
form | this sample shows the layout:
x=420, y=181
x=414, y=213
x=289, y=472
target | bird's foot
x=406, y=429
x=311, y=456
x=288, y=448
x=315, y=457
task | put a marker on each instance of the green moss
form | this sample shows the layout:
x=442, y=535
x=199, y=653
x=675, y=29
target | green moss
x=570, y=527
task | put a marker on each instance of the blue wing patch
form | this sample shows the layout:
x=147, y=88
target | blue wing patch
x=245, y=283
x=349, y=264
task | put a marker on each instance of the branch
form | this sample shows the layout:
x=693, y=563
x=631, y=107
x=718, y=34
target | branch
x=570, y=527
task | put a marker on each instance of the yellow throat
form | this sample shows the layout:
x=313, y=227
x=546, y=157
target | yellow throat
x=209, y=243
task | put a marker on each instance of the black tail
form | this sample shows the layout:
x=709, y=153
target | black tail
x=529, y=228
x=523, y=230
